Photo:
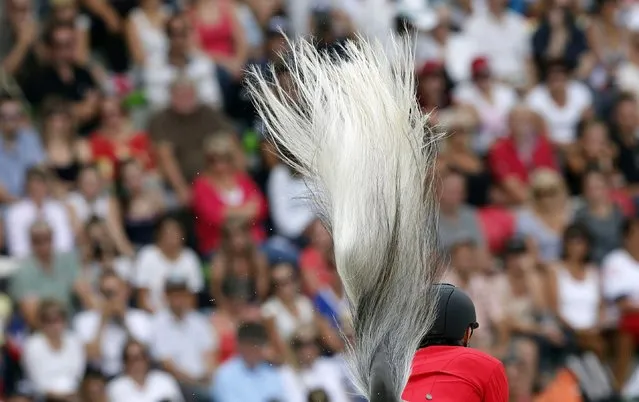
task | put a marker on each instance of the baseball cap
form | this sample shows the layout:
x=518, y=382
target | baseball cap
x=454, y=315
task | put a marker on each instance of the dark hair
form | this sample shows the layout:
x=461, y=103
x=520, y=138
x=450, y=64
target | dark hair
x=577, y=230
x=133, y=342
x=554, y=64
x=164, y=220
x=54, y=27
x=252, y=332
x=627, y=226
x=122, y=195
x=178, y=17
x=46, y=306
x=318, y=395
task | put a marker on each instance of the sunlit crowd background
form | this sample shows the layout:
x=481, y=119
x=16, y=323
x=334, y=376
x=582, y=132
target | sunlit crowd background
x=155, y=249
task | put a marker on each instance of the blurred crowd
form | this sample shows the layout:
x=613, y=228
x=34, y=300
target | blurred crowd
x=155, y=249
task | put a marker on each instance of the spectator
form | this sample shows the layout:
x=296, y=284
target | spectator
x=64, y=154
x=621, y=288
x=248, y=377
x=134, y=209
x=625, y=121
x=559, y=36
x=53, y=358
x=177, y=160
x=311, y=373
x=100, y=254
x=458, y=154
x=104, y=332
x=608, y=41
x=248, y=18
x=227, y=317
x=491, y=101
x=627, y=74
x=457, y=220
x=575, y=291
x=287, y=310
x=592, y=150
x=20, y=150
x=89, y=200
x=116, y=141
x=543, y=223
x=501, y=35
x=47, y=274
x=221, y=192
x=19, y=36
x=183, y=340
x=37, y=206
x=63, y=77
x=432, y=87
x=145, y=36
x=512, y=159
x=93, y=387
x=600, y=215
x=181, y=61
x=67, y=12
x=167, y=257
x=561, y=102
x=239, y=258
x=141, y=383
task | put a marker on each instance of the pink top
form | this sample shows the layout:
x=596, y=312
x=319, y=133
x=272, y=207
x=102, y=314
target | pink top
x=216, y=38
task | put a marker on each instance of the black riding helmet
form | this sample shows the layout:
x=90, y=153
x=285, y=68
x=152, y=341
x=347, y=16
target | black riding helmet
x=455, y=314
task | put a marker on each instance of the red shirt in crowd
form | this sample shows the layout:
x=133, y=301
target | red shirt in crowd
x=209, y=208
x=107, y=153
x=455, y=374
x=504, y=160
x=216, y=38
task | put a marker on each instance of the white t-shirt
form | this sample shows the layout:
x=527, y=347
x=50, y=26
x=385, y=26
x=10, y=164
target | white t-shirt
x=159, y=386
x=288, y=199
x=285, y=322
x=579, y=299
x=325, y=374
x=620, y=276
x=627, y=78
x=186, y=343
x=493, y=113
x=84, y=209
x=152, y=268
x=87, y=324
x=562, y=120
x=55, y=371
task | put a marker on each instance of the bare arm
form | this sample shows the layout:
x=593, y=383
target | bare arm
x=327, y=334
x=116, y=229
x=279, y=347
x=515, y=190
x=171, y=171
x=83, y=47
x=143, y=300
x=86, y=109
x=133, y=43
x=262, y=280
x=103, y=10
x=218, y=272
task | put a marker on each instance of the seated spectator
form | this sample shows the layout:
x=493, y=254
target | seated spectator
x=139, y=382
x=248, y=377
x=239, y=258
x=627, y=73
x=287, y=310
x=64, y=78
x=502, y=35
x=167, y=257
x=133, y=210
x=600, y=215
x=19, y=33
x=145, y=35
x=116, y=141
x=183, y=341
x=100, y=255
x=457, y=220
x=53, y=358
x=458, y=154
x=104, y=332
x=561, y=102
x=63, y=153
x=89, y=199
x=20, y=150
x=291, y=211
x=311, y=373
x=512, y=159
x=227, y=317
x=433, y=90
x=592, y=150
x=175, y=151
x=67, y=12
x=181, y=61
x=621, y=289
x=93, y=387
x=221, y=192
x=625, y=123
x=559, y=36
x=544, y=221
x=37, y=206
x=575, y=291
x=491, y=101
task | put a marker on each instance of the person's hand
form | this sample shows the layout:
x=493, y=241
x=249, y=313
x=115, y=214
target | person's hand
x=27, y=32
x=184, y=197
x=251, y=208
x=112, y=22
x=554, y=336
x=235, y=68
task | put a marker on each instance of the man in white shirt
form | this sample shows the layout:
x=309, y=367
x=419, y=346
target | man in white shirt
x=181, y=60
x=105, y=332
x=184, y=342
x=502, y=35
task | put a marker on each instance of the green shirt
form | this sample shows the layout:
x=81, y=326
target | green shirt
x=31, y=280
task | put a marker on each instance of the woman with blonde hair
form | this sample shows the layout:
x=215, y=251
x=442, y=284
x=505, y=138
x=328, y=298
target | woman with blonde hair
x=549, y=212
x=223, y=192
